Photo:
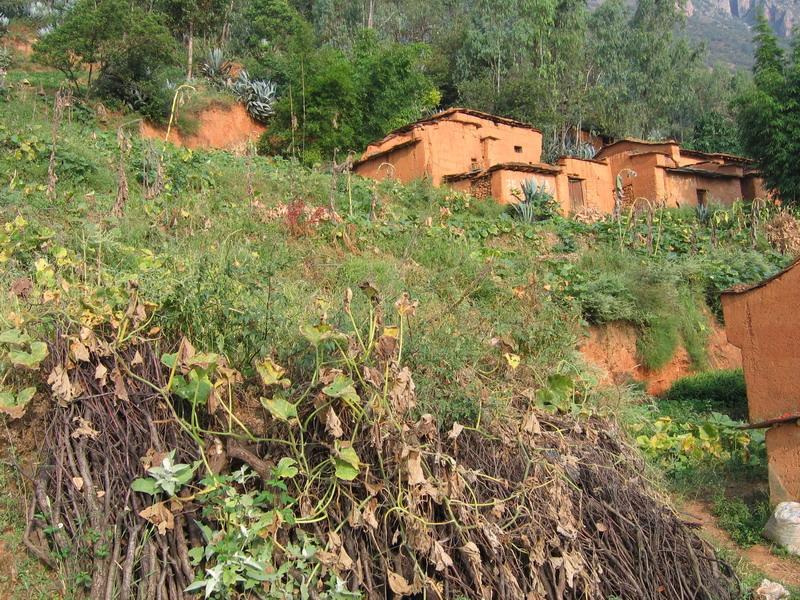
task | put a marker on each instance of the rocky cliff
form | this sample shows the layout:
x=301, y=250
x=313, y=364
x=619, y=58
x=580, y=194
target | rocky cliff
x=783, y=15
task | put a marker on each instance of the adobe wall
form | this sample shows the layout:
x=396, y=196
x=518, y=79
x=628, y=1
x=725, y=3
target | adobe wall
x=649, y=180
x=405, y=164
x=753, y=187
x=765, y=323
x=456, y=143
x=682, y=189
x=459, y=143
x=783, y=455
x=596, y=179
x=507, y=184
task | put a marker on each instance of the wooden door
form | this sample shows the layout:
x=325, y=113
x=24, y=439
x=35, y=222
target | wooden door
x=575, y=195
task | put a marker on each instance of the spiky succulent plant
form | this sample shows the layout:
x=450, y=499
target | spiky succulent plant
x=216, y=68
x=257, y=95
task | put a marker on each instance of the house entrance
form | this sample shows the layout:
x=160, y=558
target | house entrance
x=575, y=195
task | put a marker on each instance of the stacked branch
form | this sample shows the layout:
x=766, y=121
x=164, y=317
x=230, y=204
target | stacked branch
x=532, y=506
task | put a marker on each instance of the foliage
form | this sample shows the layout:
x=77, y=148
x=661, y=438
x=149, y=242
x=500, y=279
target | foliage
x=769, y=113
x=537, y=203
x=743, y=517
x=257, y=96
x=706, y=441
x=216, y=69
x=723, y=391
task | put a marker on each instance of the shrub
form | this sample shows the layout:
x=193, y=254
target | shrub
x=722, y=391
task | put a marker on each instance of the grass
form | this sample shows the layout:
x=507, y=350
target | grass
x=21, y=575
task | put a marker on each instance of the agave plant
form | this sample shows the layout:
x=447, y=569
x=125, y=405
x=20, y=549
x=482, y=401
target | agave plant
x=4, y=21
x=216, y=68
x=257, y=95
x=537, y=204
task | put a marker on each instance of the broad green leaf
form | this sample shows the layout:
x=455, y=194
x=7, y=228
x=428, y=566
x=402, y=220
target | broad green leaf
x=196, y=387
x=316, y=334
x=280, y=408
x=25, y=396
x=7, y=399
x=347, y=462
x=29, y=360
x=14, y=337
x=145, y=485
x=342, y=387
x=169, y=359
x=272, y=373
x=286, y=468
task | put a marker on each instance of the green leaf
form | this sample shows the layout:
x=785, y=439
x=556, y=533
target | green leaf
x=280, y=408
x=347, y=462
x=271, y=373
x=14, y=337
x=169, y=359
x=316, y=334
x=286, y=468
x=7, y=399
x=342, y=387
x=29, y=360
x=145, y=485
x=25, y=396
x=196, y=387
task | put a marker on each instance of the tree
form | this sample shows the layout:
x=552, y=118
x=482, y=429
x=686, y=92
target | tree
x=86, y=36
x=191, y=18
x=333, y=101
x=769, y=113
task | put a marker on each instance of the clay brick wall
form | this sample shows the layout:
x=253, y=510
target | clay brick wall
x=404, y=164
x=764, y=321
x=783, y=455
x=457, y=143
x=507, y=184
x=682, y=189
x=596, y=180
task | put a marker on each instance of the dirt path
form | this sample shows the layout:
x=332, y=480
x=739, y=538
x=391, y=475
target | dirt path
x=776, y=568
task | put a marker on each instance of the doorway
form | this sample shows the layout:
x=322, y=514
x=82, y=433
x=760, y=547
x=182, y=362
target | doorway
x=575, y=195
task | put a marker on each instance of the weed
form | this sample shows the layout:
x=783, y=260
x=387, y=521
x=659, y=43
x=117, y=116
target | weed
x=722, y=391
x=743, y=518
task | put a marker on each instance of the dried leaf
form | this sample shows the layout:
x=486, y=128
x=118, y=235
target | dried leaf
x=101, y=374
x=160, y=516
x=78, y=483
x=120, y=390
x=137, y=359
x=60, y=384
x=441, y=559
x=405, y=306
x=402, y=396
x=79, y=351
x=414, y=466
x=84, y=429
x=332, y=424
x=399, y=585
x=455, y=431
x=369, y=513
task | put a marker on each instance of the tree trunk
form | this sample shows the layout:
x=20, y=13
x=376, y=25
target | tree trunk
x=370, y=14
x=191, y=51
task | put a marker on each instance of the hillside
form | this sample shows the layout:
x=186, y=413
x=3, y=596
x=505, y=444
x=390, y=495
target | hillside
x=301, y=379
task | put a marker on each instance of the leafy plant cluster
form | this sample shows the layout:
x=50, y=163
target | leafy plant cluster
x=706, y=442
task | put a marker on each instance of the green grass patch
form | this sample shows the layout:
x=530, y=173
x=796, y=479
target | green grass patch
x=721, y=391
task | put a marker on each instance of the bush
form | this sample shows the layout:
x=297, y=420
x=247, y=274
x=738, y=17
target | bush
x=722, y=391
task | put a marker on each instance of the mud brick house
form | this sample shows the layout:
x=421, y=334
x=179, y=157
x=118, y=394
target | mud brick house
x=764, y=321
x=491, y=156
x=487, y=156
x=665, y=172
